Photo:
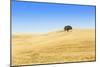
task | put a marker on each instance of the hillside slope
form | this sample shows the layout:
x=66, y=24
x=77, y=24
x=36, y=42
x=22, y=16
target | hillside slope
x=54, y=47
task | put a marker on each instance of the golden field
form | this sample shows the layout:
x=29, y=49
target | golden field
x=54, y=47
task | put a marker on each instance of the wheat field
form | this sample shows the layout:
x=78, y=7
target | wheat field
x=53, y=47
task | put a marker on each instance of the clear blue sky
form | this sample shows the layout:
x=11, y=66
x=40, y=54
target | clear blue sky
x=28, y=17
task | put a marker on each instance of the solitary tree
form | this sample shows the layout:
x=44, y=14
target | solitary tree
x=67, y=28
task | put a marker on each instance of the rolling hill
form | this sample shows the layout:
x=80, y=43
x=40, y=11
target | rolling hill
x=53, y=47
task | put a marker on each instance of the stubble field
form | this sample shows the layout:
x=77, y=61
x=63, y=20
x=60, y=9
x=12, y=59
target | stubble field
x=53, y=47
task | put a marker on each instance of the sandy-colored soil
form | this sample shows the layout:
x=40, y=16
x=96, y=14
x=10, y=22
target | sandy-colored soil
x=54, y=47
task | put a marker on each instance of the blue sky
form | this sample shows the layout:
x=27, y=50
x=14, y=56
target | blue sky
x=32, y=17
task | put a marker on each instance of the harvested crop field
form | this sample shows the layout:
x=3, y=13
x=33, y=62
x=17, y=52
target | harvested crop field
x=53, y=47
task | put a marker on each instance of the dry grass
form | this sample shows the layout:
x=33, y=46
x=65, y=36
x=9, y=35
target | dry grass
x=54, y=47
